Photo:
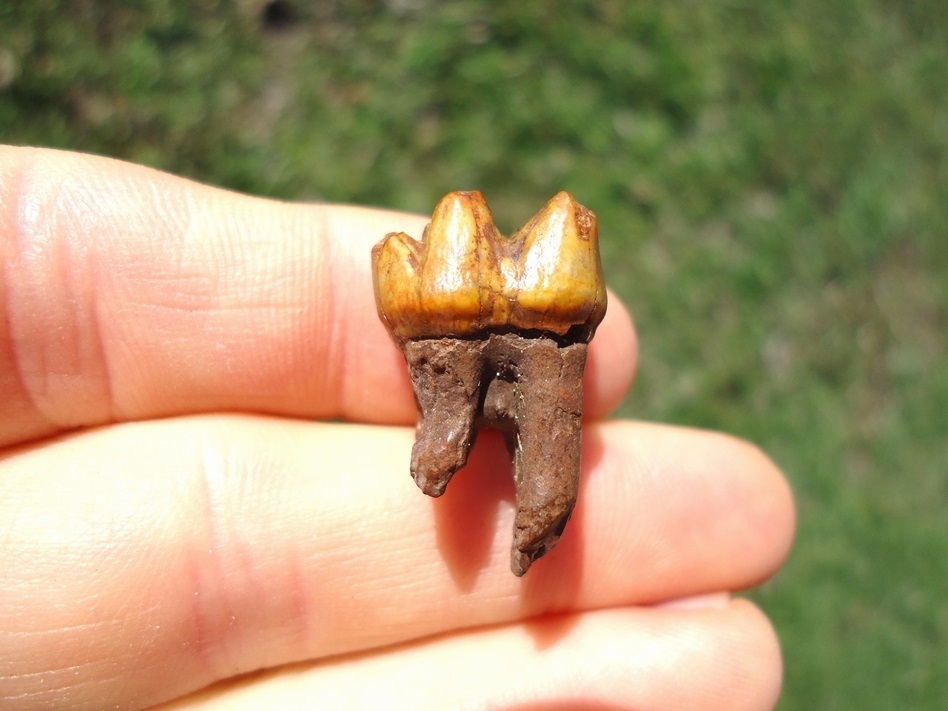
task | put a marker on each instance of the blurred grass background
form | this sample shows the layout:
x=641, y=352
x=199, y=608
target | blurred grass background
x=771, y=179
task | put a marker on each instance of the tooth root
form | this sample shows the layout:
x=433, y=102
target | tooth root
x=445, y=374
x=548, y=444
x=531, y=390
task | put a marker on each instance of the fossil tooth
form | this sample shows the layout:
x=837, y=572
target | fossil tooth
x=495, y=331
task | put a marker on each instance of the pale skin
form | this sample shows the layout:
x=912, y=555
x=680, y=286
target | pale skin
x=180, y=523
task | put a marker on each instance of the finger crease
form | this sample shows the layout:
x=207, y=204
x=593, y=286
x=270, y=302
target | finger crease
x=211, y=611
x=336, y=333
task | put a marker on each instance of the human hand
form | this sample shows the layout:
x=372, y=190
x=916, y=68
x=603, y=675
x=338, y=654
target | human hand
x=176, y=528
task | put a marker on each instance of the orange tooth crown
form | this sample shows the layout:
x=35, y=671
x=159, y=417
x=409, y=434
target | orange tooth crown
x=465, y=277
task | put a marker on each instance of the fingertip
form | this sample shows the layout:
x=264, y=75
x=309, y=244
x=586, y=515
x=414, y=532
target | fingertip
x=762, y=495
x=612, y=361
x=724, y=507
x=762, y=672
x=775, y=509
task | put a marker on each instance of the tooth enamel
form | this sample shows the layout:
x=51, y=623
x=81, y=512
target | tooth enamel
x=465, y=277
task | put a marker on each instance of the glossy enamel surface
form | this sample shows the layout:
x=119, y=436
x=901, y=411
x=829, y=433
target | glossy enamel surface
x=464, y=277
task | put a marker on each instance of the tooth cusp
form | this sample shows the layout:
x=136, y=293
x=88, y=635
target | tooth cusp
x=464, y=277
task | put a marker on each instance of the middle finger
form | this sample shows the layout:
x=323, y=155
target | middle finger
x=193, y=549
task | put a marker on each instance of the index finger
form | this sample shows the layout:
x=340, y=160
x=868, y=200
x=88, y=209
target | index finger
x=130, y=294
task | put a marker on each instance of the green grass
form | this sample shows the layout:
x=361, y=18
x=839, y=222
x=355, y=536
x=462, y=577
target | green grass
x=772, y=184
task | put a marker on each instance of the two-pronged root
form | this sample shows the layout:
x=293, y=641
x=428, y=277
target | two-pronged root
x=529, y=388
x=495, y=333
